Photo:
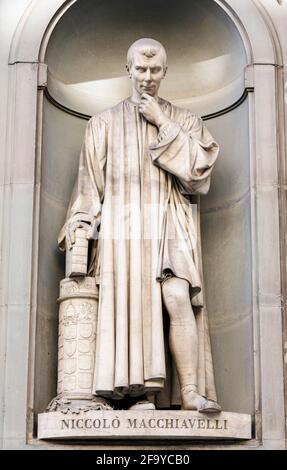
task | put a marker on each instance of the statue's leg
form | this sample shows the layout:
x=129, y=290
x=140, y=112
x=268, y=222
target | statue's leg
x=183, y=340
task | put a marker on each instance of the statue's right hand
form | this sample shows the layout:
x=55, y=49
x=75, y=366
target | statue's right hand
x=70, y=231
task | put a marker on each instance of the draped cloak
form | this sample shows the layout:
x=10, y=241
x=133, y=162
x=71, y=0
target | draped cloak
x=135, y=182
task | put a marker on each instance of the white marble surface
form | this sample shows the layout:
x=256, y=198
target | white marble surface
x=259, y=36
x=156, y=425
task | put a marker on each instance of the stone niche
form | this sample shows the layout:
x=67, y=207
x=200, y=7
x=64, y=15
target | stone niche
x=86, y=58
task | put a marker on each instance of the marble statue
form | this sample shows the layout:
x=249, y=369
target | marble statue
x=132, y=243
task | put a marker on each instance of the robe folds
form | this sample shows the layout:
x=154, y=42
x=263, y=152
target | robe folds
x=134, y=182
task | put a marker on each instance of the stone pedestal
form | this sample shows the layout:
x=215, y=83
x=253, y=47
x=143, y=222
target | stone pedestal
x=78, y=304
x=155, y=425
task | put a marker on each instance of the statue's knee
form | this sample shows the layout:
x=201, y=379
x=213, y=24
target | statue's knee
x=175, y=294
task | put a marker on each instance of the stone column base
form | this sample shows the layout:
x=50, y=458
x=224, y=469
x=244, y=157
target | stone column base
x=78, y=304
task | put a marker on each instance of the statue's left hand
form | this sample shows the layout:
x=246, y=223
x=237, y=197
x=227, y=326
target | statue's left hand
x=151, y=110
x=90, y=226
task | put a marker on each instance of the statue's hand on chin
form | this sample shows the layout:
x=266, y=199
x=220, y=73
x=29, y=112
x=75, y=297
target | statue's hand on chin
x=151, y=110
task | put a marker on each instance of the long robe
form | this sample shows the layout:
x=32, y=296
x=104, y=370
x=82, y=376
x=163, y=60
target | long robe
x=135, y=182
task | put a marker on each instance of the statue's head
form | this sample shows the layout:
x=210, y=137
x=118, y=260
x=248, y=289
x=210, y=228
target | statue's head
x=146, y=65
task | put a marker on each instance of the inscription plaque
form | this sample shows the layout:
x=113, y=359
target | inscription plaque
x=154, y=424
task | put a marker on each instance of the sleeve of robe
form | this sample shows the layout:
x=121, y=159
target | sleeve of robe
x=188, y=151
x=87, y=197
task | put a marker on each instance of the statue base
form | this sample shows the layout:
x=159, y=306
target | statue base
x=74, y=404
x=154, y=424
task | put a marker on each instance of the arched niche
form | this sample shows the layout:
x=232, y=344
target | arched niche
x=86, y=54
x=242, y=197
x=86, y=57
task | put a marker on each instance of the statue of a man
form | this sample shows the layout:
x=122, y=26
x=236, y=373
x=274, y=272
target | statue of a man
x=139, y=163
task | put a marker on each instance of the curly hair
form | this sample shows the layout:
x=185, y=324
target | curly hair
x=148, y=47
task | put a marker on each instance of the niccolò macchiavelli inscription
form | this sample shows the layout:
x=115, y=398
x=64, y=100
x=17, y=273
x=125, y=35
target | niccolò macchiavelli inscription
x=151, y=423
x=155, y=424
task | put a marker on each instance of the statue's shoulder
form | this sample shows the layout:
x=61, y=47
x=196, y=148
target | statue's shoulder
x=102, y=116
x=180, y=114
x=107, y=115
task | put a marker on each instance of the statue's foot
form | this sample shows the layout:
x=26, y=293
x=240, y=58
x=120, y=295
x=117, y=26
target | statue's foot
x=210, y=406
x=191, y=400
x=142, y=405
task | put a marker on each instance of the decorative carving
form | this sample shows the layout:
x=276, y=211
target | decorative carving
x=84, y=286
x=77, y=342
x=67, y=405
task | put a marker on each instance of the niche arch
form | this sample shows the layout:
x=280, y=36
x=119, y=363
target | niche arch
x=208, y=76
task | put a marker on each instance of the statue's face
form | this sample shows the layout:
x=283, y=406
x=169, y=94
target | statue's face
x=147, y=73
